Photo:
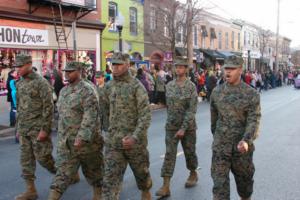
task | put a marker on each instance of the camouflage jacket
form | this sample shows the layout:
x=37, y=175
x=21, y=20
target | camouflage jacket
x=34, y=104
x=78, y=113
x=235, y=114
x=103, y=109
x=181, y=106
x=129, y=111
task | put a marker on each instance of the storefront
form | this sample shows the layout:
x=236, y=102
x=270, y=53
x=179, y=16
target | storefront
x=39, y=41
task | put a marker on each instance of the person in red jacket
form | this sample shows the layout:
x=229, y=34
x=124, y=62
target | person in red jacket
x=248, y=78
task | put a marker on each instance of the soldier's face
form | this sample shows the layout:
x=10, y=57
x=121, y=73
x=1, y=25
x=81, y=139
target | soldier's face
x=24, y=70
x=181, y=70
x=233, y=75
x=100, y=80
x=72, y=76
x=119, y=69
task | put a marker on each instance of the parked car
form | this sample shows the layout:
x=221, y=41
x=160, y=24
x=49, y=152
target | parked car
x=297, y=81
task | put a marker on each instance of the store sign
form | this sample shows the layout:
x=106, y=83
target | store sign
x=253, y=54
x=168, y=56
x=76, y=2
x=23, y=36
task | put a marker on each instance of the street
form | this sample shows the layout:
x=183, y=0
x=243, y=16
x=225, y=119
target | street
x=276, y=157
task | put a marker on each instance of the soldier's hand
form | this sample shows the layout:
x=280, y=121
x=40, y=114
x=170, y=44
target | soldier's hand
x=243, y=147
x=179, y=134
x=78, y=143
x=42, y=136
x=128, y=142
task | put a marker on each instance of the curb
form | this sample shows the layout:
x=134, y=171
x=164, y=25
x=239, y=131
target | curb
x=7, y=133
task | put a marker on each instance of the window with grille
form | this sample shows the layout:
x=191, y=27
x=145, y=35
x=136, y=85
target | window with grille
x=152, y=19
x=112, y=14
x=133, y=20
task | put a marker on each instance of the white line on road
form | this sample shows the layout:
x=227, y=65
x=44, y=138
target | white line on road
x=178, y=154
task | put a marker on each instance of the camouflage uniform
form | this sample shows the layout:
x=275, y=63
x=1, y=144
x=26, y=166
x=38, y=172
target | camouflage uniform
x=35, y=112
x=78, y=118
x=102, y=100
x=181, y=110
x=235, y=115
x=129, y=115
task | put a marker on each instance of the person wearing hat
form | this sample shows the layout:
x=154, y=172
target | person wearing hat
x=181, y=99
x=100, y=84
x=235, y=118
x=34, y=121
x=79, y=140
x=126, y=139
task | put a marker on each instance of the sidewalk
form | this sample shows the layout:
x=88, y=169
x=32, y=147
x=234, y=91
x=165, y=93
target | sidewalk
x=5, y=130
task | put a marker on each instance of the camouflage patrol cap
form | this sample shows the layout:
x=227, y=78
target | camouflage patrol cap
x=119, y=58
x=233, y=62
x=22, y=59
x=73, y=66
x=99, y=74
x=181, y=62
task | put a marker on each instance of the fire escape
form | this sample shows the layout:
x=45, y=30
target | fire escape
x=59, y=25
x=59, y=8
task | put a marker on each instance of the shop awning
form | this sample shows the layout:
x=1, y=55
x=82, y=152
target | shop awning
x=213, y=54
x=226, y=53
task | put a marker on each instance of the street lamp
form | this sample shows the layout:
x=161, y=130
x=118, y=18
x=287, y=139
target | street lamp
x=119, y=25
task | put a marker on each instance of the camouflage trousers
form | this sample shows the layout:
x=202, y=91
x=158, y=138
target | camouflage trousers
x=242, y=167
x=116, y=161
x=69, y=159
x=188, y=143
x=32, y=150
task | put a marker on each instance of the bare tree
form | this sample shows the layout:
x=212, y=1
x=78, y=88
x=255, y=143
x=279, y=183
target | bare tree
x=175, y=22
x=264, y=42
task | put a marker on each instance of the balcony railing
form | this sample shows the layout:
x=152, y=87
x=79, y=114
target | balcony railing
x=88, y=4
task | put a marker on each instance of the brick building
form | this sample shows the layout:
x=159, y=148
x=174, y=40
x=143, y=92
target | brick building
x=36, y=27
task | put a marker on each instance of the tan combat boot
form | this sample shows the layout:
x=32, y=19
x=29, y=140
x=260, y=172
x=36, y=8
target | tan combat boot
x=97, y=193
x=192, y=179
x=30, y=193
x=54, y=195
x=75, y=179
x=249, y=198
x=146, y=195
x=164, y=191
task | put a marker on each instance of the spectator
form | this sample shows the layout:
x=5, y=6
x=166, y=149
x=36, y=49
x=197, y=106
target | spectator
x=160, y=79
x=142, y=78
x=11, y=95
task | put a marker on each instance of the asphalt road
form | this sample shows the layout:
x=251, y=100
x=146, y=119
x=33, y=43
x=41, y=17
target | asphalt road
x=277, y=158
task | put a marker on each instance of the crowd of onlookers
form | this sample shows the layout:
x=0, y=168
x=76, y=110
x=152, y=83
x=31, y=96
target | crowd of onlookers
x=155, y=79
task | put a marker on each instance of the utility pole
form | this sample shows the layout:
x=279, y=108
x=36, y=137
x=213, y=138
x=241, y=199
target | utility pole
x=277, y=36
x=189, y=29
x=74, y=40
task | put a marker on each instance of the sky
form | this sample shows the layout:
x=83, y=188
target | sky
x=262, y=13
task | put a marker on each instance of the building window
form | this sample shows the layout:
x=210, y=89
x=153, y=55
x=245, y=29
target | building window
x=226, y=40
x=232, y=40
x=249, y=39
x=195, y=36
x=220, y=40
x=179, y=35
x=166, y=26
x=204, y=35
x=245, y=38
x=152, y=19
x=239, y=41
x=112, y=14
x=212, y=38
x=133, y=20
